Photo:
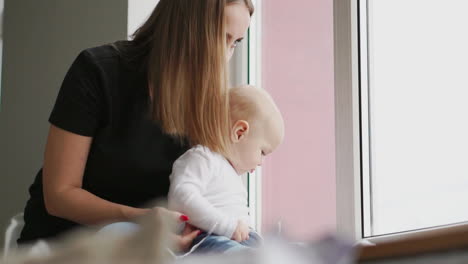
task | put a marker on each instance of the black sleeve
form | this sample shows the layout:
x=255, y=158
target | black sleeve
x=80, y=101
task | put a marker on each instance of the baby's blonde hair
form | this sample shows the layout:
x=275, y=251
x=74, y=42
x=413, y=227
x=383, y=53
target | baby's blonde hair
x=250, y=104
x=243, y=104
x=258, y=108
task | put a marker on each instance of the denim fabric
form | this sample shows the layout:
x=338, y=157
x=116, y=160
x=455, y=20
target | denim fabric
x=222, y=244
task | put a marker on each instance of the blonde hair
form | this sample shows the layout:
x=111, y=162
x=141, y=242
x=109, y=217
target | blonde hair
x=242, y=104
x=248, y=4
x=183, y=45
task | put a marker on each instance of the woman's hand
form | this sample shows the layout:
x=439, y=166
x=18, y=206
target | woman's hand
x=183, y=241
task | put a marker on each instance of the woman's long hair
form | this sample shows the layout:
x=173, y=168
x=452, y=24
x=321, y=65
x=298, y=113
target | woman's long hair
x=183, y=48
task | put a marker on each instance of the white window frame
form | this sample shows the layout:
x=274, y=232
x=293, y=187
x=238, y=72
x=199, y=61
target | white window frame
x=352, y=188
x=249, y=53
x=347, y=134
x=255, y=78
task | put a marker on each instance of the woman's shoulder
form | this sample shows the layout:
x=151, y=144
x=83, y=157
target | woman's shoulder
x=102, y=54
x=95, y=61
x=111, y=54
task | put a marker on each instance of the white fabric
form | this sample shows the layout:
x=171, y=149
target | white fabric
x=38, y=249
x=206, y=188
x=12, y=233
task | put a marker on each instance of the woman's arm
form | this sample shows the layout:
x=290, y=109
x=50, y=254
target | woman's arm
x=66, y=154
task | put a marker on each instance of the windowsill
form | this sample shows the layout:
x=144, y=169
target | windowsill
x=416, y=243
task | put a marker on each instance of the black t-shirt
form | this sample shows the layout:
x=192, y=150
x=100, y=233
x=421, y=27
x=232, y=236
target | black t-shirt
x=106, y=97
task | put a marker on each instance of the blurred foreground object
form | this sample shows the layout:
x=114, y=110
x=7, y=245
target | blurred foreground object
x=150, y=244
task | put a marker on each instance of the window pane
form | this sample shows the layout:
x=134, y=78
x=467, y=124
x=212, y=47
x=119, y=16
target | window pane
x=418, y=105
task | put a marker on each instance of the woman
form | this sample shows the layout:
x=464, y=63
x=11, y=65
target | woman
x=126, y=111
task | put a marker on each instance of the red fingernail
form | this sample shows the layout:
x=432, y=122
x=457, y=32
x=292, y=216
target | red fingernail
x=199, y=232
x=184, y=218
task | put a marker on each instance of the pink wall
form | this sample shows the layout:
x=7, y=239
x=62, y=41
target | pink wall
x=299, y=178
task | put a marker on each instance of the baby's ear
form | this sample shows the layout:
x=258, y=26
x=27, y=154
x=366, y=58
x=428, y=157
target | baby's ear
x=240, y=130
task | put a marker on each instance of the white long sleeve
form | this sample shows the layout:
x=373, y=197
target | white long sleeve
x=205, y=187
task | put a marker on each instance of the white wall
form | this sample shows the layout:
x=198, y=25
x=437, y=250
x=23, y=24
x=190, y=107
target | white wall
x=138, y=12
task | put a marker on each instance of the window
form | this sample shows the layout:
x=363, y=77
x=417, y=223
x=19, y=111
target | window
x=244, y=68
x=406, y=145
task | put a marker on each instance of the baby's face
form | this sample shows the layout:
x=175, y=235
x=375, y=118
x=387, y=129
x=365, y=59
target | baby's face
x=262, y=138
x=257, y=128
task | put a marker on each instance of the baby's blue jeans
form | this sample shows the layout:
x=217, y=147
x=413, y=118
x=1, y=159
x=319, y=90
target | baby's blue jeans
x=222, y=244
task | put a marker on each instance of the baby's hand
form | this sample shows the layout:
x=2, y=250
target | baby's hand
x=241, y=233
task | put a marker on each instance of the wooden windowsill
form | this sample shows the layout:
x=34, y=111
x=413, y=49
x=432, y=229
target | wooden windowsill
x=447, y=239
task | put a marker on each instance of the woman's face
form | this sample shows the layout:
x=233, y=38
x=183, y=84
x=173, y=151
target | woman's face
x=237, y=21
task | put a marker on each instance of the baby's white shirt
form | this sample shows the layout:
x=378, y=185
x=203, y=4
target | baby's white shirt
x=206, y=188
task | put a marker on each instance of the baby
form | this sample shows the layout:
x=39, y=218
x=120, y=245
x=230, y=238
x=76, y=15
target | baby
x=207, y=186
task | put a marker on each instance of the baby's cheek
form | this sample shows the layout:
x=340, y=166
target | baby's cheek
x=258, y=160
x=249, y=161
